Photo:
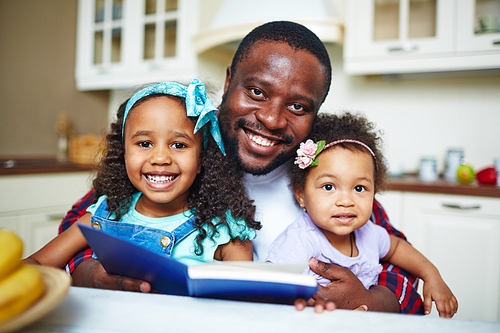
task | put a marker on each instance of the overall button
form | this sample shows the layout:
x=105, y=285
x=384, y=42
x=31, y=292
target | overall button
x=165, y=241
x=96, y=225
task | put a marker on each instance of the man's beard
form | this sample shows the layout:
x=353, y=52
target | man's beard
x=232, y=148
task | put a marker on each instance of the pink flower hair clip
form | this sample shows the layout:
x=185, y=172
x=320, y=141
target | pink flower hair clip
x=308, y=151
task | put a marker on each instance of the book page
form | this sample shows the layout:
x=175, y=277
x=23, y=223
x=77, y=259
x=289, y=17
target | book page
x=253, y=271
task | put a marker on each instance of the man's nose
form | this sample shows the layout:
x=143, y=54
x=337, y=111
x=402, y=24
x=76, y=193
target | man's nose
x=272, y=115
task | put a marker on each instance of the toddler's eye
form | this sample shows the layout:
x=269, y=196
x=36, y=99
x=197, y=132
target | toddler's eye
x=145, y=144
x=328, y=187
x=359, y=188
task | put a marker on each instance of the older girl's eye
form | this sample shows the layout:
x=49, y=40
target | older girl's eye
x=359, y=188
x=328, y=187
x=178, y=145
x=145, y=144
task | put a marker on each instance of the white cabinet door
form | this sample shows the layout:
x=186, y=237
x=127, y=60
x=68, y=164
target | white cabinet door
x=393, y=205
x=472, y=36
x=122, y=44
x=415, y=36
x=461, y=236
x=396, y=36
x=37, y=229
x=391, y=28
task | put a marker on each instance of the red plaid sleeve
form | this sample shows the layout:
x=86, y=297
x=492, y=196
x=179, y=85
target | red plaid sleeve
x=77, y=211
x=402, y=284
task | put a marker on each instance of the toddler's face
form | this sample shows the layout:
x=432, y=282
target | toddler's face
x=162, y=155
x=338, y=193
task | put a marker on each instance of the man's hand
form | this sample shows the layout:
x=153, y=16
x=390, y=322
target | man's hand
x=91, y=274
x=347, y=292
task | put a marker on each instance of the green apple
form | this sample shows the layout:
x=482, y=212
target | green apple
x=465, y=174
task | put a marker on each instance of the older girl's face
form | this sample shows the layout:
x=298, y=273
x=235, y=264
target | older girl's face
x=338, y=194
x=162, y=155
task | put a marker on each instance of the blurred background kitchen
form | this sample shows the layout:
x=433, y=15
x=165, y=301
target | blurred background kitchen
x=427, y=72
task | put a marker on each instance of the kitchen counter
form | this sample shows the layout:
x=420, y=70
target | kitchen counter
x=94, y=310
x=39, y=165
x=411, y=183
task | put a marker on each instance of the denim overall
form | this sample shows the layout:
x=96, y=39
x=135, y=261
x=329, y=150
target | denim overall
x=156, y=240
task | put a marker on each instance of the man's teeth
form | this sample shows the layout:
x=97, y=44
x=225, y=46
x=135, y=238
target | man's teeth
x=160, y=179
x=260, y=140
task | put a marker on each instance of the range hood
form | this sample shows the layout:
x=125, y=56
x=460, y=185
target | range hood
x=236, y=18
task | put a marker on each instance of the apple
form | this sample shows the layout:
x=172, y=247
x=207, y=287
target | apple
x=465, y=174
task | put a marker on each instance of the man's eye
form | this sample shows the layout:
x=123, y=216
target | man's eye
x=328, y=187
x=359, y=188
x=296, y=108
x=256, y=92
x=145, y=144
x=178, y=145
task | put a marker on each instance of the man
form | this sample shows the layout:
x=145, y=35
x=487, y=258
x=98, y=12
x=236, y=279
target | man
x=279, y=77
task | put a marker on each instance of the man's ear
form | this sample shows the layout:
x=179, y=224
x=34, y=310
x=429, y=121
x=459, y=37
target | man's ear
x=299, y=196
x=228, y=80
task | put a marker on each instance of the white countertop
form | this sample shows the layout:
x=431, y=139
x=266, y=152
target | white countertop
x=93, y=310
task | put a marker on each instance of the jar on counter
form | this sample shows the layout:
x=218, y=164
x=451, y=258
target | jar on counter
x=428, y=169
x=454, y=158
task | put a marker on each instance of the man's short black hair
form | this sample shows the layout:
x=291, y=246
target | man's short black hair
x=295, y=35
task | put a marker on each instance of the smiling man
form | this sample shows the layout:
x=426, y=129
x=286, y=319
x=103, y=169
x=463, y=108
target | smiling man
x=279, y=77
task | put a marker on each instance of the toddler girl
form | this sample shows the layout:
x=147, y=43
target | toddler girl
x=166, y=185
x=338, y=172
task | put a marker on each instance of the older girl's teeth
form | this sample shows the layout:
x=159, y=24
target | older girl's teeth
x=260, y=140
x=160, y=179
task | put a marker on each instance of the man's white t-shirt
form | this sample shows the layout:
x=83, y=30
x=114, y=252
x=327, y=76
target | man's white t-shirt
x=275, y=204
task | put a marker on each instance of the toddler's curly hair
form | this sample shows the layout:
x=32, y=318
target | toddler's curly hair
x=330, y=127
x=218, y=188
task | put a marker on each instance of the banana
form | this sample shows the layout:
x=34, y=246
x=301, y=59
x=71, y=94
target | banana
x=19, y=290
x=11, y=251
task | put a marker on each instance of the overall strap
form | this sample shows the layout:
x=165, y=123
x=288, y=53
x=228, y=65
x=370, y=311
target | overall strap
x=184, y=230
x=102, y=210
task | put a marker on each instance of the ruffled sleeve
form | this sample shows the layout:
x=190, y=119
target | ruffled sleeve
x=92, y=208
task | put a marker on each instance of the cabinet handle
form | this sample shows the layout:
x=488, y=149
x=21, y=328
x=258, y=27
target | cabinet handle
x=402, y=48
x=496, y=42
x=462, y=206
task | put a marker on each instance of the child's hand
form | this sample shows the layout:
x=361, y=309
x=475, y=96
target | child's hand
x=436, y=290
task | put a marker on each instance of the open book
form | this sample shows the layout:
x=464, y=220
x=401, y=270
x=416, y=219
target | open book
x=235, y=280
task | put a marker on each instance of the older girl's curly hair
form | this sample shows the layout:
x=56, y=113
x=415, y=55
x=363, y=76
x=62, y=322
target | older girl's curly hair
x=217, y=189
x=331, y=128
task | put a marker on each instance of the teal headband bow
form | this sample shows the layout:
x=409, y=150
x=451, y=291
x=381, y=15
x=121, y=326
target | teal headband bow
x=197, y=105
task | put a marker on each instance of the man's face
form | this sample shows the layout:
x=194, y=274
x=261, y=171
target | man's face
x=269, y=105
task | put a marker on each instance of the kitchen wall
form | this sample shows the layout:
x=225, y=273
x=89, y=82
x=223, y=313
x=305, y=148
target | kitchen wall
x=37, y=63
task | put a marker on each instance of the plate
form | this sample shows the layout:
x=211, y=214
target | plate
x=57, y=283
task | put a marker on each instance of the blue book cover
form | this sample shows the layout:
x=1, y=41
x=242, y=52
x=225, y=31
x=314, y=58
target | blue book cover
x=247, y=281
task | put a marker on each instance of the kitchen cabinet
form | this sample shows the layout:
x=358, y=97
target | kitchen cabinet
x=460, y=235
x=33, y=205
x=415, y=36
x=126, y=43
